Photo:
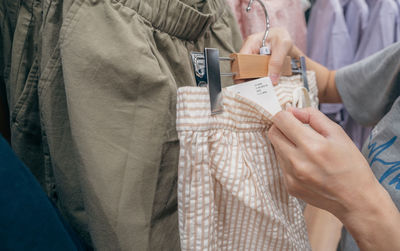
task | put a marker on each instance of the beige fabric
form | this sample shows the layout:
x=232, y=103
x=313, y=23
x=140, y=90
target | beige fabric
x=231, y=194
x=282, y=13
x=107, y=97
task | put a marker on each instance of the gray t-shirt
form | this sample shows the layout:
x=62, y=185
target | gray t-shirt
x=370, y=90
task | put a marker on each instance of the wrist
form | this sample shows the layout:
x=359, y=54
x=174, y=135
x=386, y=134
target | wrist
x=296, y=52
x=327, y=91
x=363, y=202
x=372, y=219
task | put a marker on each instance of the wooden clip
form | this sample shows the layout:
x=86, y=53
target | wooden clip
x=249, y=66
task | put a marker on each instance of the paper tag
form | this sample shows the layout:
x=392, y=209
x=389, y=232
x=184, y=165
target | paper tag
x=260, y=91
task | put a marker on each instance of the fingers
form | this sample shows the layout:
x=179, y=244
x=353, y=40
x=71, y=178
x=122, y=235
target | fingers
x=276, y=61
x=252, y=44
x=285, y=166
x=281, y=44
x=316, y=119
x=280, y=142
x=283, y=150
x=296, y=132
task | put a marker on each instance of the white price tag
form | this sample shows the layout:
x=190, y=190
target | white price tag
x=260, y=91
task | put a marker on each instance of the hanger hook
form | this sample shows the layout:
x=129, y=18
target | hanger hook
x=266, y=21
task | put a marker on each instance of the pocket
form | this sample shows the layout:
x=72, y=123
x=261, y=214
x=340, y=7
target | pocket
x=165, y=199
x=25, y=114
x=71, y=18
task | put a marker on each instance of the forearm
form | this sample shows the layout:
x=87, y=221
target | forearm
x=325, y=78
x=282, y=45
x=373, y=221
x=327, y=170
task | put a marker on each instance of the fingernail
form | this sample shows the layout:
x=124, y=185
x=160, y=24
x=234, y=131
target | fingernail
x=274, y=78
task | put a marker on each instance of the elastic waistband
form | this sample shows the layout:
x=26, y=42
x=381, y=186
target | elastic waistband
x=239, y=114
x=177, y=18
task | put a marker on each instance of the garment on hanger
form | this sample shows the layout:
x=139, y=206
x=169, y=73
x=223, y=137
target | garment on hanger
x=102, y=97
x=335, y=29
x=398, y=22
x=380, y=31
x=20, y=23
x=381, y=28
x=329, y=41
x=231, y=193
x=285, y=13
x=356, y=15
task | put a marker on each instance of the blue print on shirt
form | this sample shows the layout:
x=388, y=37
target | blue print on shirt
x=375, y=152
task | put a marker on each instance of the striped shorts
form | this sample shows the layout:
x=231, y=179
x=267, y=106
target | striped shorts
x=231, y=194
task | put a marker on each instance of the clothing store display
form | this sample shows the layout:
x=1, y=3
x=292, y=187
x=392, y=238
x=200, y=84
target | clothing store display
x=328, y=40
x=398, y=22
x=111, y=145
x=282, y=13
x=103, y=87
x=20, y=67
x=356, y=15
x=62, y=169
x=330, y=44
x=28, y=220
x=335, y=30
x=370, y=103
x=381, y=31
x=231, y=193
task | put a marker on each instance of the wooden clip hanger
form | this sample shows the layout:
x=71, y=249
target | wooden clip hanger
x=246, y=66
x=207, y=73
x=243, y=66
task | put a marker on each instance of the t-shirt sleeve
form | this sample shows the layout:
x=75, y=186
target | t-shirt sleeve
x=369, y=87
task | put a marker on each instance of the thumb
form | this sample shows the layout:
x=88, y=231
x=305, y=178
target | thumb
x=316, y=119
x=279, y=52
x=281, y=44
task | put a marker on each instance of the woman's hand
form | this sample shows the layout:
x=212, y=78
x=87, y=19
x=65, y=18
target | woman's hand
x=322, y=166
x=282, y=44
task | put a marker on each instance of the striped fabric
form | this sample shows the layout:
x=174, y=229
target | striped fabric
x=231, y=194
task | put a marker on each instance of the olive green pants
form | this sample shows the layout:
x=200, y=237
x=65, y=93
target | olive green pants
x=108, y=72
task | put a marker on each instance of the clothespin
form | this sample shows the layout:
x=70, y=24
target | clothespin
x=299, y=67
x=207, y=73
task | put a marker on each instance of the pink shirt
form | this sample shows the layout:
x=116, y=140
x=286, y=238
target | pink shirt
x=285, y=13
